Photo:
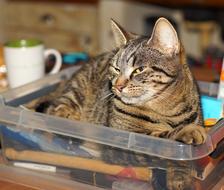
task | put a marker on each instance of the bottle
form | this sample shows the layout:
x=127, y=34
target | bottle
x=221, y=83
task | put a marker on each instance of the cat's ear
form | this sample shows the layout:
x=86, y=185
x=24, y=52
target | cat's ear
x=164, y=37
x=120, y=35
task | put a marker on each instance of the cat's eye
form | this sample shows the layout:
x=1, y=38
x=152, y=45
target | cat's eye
x=115, y=69
x=138, y=70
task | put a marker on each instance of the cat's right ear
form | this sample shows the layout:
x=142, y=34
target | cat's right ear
x=120, y=35
x=164, y=37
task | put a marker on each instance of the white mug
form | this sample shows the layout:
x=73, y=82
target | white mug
x=25, y=61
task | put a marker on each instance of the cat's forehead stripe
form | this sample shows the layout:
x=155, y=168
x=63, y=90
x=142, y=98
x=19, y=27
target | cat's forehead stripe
x=132, y=50
x=128, y=52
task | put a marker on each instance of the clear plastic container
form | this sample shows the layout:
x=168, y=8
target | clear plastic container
x=40, y=180
x=51, y=144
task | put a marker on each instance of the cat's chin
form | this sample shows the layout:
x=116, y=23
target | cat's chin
x=139, y=101
x=132, y=101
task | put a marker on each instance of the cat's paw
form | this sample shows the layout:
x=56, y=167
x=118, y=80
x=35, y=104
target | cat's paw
x=180, y=184
x=64, y=111
x=178, y=178
x=176, y=185
x=191, y=135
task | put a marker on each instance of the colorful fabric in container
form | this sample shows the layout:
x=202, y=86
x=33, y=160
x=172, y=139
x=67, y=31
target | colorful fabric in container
x=39, y=147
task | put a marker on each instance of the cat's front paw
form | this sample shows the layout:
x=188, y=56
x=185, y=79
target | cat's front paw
x=64, y=111
x=178, y=177
x=191, y=135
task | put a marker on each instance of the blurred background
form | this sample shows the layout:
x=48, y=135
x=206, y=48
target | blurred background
x=84, y=26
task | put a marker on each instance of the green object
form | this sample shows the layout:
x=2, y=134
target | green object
x=23, y=43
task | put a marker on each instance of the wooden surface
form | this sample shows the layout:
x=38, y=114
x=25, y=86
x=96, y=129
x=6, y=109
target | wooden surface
x=67, y=27
x=64, y=1
x=22, y=179
x=174, y=3
x=204, y=74
x=4, y=185
x=7, y=185
x=184, y=3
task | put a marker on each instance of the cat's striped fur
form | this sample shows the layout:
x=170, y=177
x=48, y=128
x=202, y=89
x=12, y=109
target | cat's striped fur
x=175, y=101
x=161, y=99
x=85, y=97
x=144, y=86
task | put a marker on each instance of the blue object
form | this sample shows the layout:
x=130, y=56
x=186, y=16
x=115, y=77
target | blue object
x=17, y=137
x=38, y=140
x=73, y=58
x=211, y=107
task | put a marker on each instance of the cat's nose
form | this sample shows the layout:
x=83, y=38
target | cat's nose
x=119, y=87
x=121, y=83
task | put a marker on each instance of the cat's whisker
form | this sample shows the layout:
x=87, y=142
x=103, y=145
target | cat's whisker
x=105, y=97
x=105, y=90
x=110, y=98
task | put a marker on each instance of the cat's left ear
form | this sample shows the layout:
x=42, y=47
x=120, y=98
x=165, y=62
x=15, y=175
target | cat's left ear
x=120, y=35
x=164, y=37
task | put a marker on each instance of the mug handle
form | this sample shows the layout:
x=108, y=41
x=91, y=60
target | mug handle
x=58, y=60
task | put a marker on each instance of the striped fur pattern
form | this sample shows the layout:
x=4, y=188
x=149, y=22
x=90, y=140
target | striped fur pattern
x=144, y=86
x=139, y=87
x=85, y=97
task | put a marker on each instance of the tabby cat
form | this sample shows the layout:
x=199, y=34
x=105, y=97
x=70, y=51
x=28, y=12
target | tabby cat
x=153, y=89
x=143, y=86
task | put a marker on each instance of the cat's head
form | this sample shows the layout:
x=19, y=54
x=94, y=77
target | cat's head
x=144, y=67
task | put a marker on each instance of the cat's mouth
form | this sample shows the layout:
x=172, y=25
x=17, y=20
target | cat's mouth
x=127, y=98
x=135, y=100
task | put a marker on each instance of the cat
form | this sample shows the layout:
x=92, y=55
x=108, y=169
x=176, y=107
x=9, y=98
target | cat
x=143, y=86
x=153, y=89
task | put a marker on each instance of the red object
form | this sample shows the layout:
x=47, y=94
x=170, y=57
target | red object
x=127, y=172
x=209, y=61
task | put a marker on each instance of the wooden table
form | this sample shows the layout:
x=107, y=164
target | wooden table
x=8, y=185
x=23, y=179
x=4, y=185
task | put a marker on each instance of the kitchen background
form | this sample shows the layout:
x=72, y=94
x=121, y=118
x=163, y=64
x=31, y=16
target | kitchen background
x=84, y=26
